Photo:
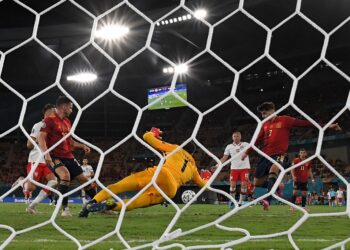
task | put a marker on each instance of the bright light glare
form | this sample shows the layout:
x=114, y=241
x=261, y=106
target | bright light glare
x=200, y=13
x=82, y=77
x=111, y=32
x=181, y=69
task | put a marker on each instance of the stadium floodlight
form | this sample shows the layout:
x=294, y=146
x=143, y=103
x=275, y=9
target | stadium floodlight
x=111, y=32
x=82, y=77
x=189, y=16
x=200, y=13
x=165, y=70
x=181, y=68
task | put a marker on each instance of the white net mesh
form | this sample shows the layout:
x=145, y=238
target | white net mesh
x=169, y=234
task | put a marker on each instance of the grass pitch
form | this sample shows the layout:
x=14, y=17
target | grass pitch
x=142, y=226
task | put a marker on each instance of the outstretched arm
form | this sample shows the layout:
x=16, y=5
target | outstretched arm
x=153, y=138
x=197, y=179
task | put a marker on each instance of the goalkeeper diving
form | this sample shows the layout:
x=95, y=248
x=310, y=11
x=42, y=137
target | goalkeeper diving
x=177, y=170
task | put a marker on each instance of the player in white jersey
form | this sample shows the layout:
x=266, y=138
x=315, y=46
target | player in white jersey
x=239, y=168
x=42, y=171
x=340, y=197
x=88, y=171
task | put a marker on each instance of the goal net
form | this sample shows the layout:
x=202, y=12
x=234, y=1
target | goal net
x=256, y=61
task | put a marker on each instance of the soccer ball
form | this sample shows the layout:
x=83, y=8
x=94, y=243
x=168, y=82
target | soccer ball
x=187, y=196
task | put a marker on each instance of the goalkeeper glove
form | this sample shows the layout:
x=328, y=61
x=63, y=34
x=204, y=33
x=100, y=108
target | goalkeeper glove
x=156, y=132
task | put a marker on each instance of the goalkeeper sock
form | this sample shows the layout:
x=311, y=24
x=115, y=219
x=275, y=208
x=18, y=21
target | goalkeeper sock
x=294, y=198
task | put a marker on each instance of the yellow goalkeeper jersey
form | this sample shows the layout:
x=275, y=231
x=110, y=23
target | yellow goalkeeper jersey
x=181, y=165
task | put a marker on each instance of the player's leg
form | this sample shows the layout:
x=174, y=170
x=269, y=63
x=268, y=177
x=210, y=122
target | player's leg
x=89, y=190
x=294, y=195
x=64, y=182
x=82, y=195
x=44, y=172
x=29, y=187
x=244, y=177
x=234, y=174
x=150, y=197
x=132, y=182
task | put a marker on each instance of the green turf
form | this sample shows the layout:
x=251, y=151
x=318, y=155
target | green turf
x=142, y=226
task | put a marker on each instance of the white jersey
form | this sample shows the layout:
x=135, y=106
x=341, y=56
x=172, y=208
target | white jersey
x=34, y=153
x=235, y=149
x=87, y=170
x=340, y=194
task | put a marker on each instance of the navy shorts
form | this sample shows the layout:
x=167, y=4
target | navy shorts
x=72, y=165
x=264, y=165
x=302, y=186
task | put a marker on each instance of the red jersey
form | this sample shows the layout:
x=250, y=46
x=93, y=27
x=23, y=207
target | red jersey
x=301, y=173
x=273, y=138
x=56, y=128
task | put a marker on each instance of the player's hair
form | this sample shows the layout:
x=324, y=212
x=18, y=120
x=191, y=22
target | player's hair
x=266, y=106
x=62, y=100
x=47, y=107
x=236, y=131
x=302, y=149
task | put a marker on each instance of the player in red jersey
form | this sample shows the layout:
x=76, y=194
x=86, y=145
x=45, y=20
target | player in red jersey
x=300, y=177
x=273, y=140
x=42, y=171
x=61, y=159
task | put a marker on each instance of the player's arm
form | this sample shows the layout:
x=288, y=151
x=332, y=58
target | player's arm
x=92, y=173
x=223, y=159
x=293, y=171
x=153, y=138
x=293, y=174
x=258, y=141
x=43, y=146
x=30, y=145
x=197, y=179
x=45, y=129
x=294, y=122
x=78, y=145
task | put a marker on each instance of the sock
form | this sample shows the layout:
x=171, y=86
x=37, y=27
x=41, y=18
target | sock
x=303, y=201
x=63, y=187
x=129, y=183
x=233, y=192
x=27, y=194
x=294, y=198
x=90, y=192
x=270, y=182
x=43, y=193
x=242, y=195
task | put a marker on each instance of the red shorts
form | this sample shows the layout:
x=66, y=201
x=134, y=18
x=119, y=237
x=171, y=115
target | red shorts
x=41, y=171
x=241, y=174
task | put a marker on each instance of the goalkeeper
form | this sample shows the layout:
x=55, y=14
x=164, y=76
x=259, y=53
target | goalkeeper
x=177, y=170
